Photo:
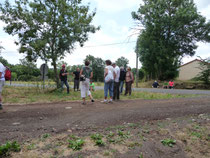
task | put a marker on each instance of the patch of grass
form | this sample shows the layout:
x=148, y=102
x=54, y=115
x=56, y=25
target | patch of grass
x=123, y=134
x=75, y=143
x=142, y=137
x=161, y=125
x=132, y=145
x=40, y=95
x=31, y=147
x=196, y=134
x=113, y=150
x=45, y=136
x=140, y=155
x=97, y=138
x=111, y=134
x=168, y=142
x=106, y=153
x=5, y=149
x=133, y=125
x=145, y=131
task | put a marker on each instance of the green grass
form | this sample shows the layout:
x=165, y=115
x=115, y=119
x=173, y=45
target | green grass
x=5, y=149
x=39, y=95
x=97, y=138
x=75, y=143
x=45, y=136
x=168, y=142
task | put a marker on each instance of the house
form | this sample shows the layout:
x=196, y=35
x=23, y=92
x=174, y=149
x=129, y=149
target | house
x=189, y=70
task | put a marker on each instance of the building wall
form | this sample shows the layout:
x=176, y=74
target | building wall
x=189, y=71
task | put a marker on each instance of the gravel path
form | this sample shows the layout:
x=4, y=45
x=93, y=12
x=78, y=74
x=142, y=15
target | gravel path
x=18, y=122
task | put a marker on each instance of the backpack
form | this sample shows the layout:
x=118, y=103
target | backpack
x=7, y=74
x=109, y=76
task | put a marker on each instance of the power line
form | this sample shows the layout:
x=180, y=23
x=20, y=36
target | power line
x=109, y=44
x=102, y=45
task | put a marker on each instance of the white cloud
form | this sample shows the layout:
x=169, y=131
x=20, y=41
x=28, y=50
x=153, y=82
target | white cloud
x=202, y=3
x=112, y=31
x=111, y=6
x=206, y=12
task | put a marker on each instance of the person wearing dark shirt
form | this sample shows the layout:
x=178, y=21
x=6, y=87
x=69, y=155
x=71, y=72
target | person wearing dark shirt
x=63, y=77
x=122, y=78
x=155, y=84
x=76, y=79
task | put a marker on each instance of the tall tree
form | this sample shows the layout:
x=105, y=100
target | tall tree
x=122, y=62
x=4, y=61
x=97, y=65
x=48, y=29
x=171, y=30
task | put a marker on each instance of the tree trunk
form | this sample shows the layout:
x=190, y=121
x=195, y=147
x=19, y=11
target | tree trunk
x=56, y=73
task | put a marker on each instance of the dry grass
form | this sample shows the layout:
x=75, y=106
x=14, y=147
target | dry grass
x=192, y=145
x=39, y=95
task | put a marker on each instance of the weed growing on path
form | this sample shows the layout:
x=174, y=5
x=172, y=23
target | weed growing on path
x=97, y=138
x=75, y=143
x=168, y=142
x=5, y=149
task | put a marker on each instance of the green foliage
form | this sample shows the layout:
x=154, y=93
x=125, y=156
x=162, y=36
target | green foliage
x=123, y=134
x=5, y=149
x=47, y=29
x=97, y=65
x=26, y=70
x=31, y=147
x=98, y=139
x=13, y=76
x=168, y=142
x=196, y=134
x=204, y=75
x=122, y=62
x=4, y=61
x=75, y=143
x=140, y=155
x=45, y=136
x=171, y=30
x=141, y=74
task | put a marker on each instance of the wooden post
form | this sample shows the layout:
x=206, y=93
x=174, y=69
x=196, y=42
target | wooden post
x=137, y=70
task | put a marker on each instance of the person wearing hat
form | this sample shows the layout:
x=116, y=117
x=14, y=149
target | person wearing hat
x=63, y=77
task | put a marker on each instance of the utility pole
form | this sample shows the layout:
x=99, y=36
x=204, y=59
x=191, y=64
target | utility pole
x=137, y=70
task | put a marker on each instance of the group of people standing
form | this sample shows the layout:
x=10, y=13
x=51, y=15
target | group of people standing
x=114, y=79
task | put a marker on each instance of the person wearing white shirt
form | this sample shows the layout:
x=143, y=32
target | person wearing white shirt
x=108, y=81
x=2, y=81
x=116, y=82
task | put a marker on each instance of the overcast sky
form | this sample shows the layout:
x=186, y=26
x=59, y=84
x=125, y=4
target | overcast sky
x=114, y=17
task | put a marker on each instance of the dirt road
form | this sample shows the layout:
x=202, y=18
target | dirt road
x=20, y=122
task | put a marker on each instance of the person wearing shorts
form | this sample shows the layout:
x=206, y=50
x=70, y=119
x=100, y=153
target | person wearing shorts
x=86, y=73
x=2, y=82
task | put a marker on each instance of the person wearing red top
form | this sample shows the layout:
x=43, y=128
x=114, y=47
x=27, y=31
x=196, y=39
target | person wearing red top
x=171, y=84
